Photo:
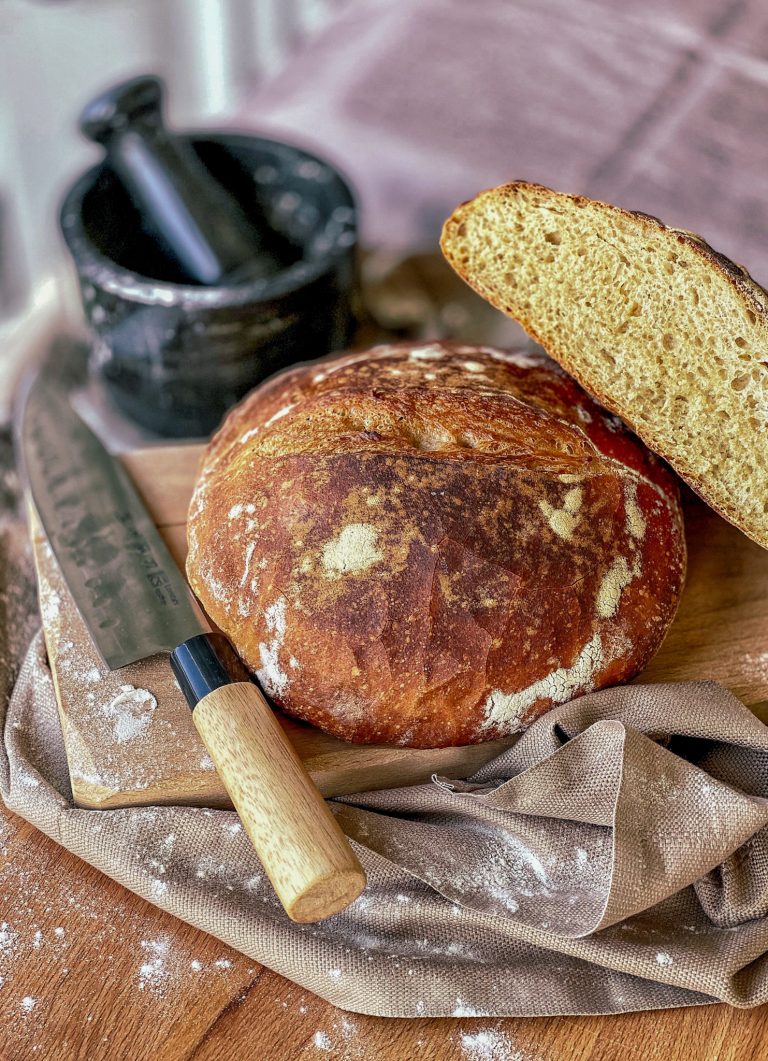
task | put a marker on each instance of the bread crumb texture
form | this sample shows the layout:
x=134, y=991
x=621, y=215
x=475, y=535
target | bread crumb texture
x=659, y=327
x=432, y=544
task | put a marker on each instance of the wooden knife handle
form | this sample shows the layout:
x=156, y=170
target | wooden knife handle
x=305, y=854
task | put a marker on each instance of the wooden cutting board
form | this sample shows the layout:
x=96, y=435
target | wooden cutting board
x=129, y=734
x=122, y=751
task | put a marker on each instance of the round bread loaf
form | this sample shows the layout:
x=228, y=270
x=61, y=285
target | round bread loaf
x=430, y=545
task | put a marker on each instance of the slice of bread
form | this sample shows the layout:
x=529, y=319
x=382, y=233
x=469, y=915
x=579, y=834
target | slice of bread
x=660, y=328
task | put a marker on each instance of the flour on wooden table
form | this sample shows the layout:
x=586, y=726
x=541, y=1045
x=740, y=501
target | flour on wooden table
x=153, y=971
x=756, y=665
x=342, y=1040
x=7, y=939
x=489, y=1045
x=29, y=936
x=123, y=723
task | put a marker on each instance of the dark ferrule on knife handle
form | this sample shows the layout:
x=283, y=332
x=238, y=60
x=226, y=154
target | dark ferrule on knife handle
x=205, y=663
x=304, y=852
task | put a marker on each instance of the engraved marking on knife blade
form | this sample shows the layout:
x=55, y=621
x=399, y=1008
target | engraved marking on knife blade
x=154, y=573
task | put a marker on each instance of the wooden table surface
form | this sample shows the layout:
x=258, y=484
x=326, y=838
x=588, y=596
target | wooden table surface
x=122, y=981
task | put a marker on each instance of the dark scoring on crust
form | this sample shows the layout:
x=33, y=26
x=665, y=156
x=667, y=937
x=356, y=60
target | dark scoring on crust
x=430, y=545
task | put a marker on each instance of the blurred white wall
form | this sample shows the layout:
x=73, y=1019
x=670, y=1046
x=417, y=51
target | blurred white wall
x=56, y=54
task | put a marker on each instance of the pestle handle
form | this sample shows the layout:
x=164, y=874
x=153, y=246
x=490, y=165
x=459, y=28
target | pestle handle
x=201, y=225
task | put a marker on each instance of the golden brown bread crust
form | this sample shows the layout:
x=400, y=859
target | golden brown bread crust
x=430, y=545
x=752, y=297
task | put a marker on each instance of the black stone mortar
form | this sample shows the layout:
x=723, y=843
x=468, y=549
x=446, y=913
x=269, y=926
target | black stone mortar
x=176, y=356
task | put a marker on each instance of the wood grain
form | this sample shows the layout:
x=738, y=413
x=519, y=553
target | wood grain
x=89, y=1005
x=304, y=852
x=167, y=762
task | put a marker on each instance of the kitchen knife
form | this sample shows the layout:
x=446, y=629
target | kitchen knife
x=136, y=603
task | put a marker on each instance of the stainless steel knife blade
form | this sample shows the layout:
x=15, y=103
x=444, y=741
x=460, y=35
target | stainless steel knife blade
x=128, y=587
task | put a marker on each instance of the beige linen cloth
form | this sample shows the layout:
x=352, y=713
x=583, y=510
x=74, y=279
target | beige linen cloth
x=615, y=859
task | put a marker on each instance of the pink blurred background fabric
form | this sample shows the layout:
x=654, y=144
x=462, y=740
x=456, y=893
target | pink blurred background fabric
x=656, y=106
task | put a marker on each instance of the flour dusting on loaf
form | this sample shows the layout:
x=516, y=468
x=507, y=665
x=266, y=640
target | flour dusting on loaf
x=505, y=711
x=565, y=520
x=430, y=544
x=353, y=549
